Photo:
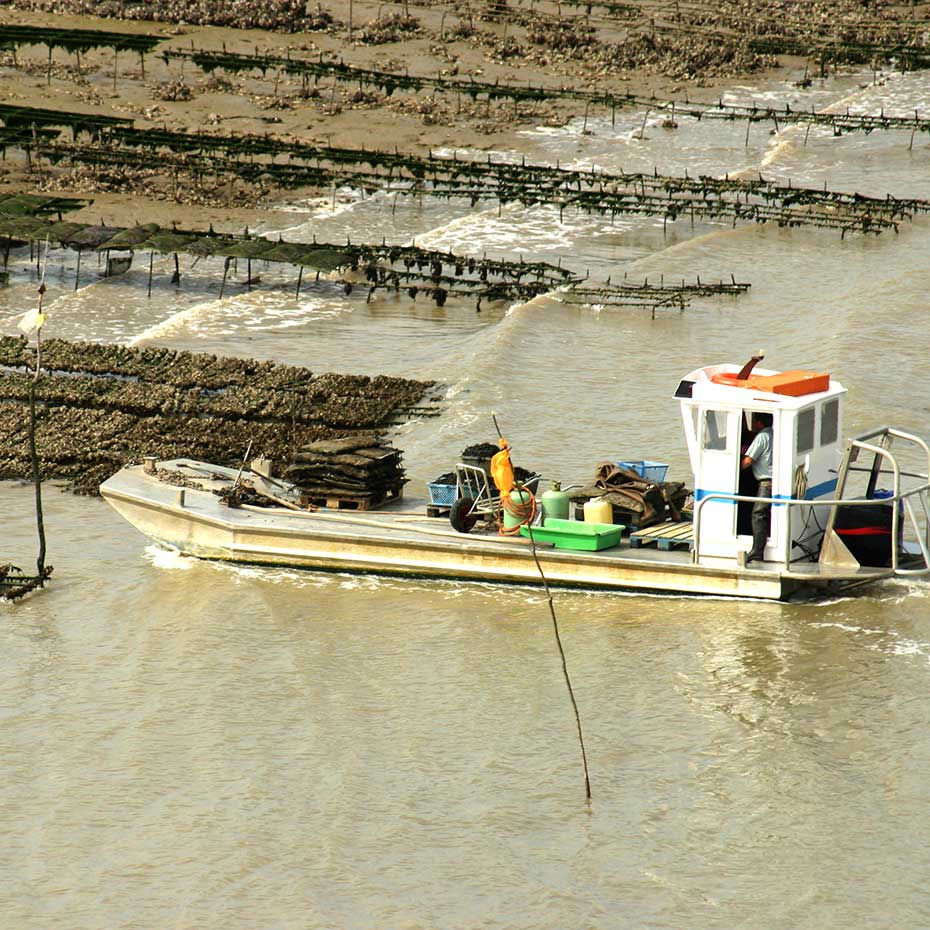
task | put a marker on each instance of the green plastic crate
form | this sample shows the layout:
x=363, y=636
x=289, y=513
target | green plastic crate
x=575, y=534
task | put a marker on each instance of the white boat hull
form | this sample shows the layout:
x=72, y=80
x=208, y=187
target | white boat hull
x=403, y=542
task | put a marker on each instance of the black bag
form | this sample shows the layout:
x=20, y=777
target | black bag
x=866, y=532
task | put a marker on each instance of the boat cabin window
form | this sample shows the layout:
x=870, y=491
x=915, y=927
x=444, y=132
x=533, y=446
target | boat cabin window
x=829, y=422
x=715, y=430
x=805, y=436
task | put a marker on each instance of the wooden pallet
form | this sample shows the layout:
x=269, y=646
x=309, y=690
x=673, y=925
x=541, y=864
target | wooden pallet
x=349, y=501
x=670, y=535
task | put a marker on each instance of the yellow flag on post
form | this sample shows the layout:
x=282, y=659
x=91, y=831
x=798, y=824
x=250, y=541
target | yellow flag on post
x=502, y=469
x=31, y=321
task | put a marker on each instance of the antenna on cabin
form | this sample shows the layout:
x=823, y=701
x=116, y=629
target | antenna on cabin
x=746, y=370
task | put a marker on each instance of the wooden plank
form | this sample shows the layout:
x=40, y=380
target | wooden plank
x=683, y=532
x=665, y=529
x=662, y=543
x=664, y=535
x=667, y=544
x=669, y=532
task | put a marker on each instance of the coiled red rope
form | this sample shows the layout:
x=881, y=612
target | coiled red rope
x=524, y=512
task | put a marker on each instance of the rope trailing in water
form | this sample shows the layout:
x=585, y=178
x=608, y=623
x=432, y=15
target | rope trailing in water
x=568, y=681
x=527, y=511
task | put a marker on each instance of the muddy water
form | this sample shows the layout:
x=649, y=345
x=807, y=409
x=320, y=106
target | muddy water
x=195, y=745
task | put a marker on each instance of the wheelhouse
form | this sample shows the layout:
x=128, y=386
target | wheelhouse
x=717, y=406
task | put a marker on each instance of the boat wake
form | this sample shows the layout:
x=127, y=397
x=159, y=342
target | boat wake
x=887, y=641
x=169, y=559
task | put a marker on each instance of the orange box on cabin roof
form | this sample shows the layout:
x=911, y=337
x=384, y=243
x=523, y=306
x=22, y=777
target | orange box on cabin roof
x=790, y=383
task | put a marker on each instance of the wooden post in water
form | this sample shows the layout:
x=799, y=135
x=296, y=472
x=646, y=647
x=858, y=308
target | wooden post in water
x=226, y=265
x=33, y=453
x=34, y=457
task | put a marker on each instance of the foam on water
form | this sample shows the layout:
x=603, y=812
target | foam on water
x=900, y=590
x=513, y=231
x=167, y=559
x=892, y=642
x=256, y=310
x=273, y=575
x=179, y=321
x=896, y=94
x=480, y=155
x=315, y=209
x=349, y=581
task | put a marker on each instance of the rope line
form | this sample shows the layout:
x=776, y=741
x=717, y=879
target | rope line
x=568, y=681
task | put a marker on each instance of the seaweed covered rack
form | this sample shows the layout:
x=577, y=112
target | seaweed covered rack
x=102, y=406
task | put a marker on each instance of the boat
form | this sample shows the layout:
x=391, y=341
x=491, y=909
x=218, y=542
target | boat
x=832, y=529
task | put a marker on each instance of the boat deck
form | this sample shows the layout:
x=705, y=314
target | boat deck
x=401, y=539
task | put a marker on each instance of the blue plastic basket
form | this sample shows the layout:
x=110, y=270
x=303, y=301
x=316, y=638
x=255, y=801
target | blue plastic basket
x=651, y=471
x=442, y=495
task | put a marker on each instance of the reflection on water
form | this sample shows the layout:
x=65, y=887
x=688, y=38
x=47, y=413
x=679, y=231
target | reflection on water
x=205, y=745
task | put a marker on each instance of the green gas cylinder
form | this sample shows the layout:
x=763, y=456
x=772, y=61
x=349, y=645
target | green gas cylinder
x=516, y=508
x=555, y=502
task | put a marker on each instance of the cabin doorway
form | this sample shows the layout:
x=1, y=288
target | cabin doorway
x=747, y=483
x=726, y=524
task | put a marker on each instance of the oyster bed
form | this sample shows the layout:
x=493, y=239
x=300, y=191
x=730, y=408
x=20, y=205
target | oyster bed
x=102, y=406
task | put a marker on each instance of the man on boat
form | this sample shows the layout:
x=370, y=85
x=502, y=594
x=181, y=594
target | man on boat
x=759, y=457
